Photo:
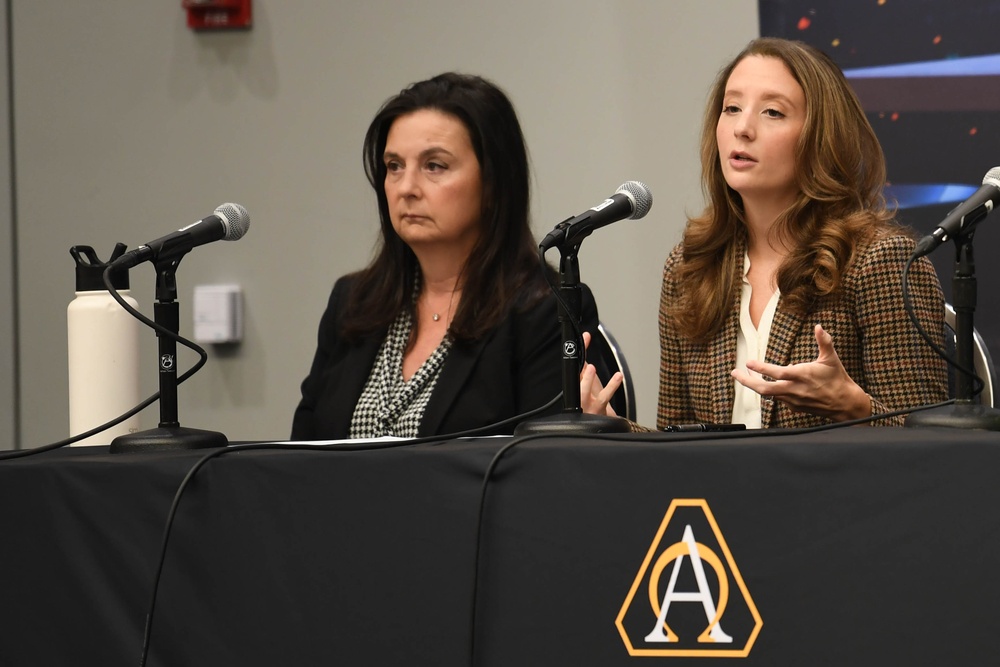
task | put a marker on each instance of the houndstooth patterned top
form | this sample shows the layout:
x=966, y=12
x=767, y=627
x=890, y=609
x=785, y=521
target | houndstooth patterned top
x=390, y=405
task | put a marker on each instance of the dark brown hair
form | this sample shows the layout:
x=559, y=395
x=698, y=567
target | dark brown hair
x=503, y=271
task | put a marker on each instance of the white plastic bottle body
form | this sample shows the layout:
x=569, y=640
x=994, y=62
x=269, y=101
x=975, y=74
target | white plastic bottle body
x=103, y=365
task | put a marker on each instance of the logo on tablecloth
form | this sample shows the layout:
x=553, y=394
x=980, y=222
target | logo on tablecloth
x=688, y=598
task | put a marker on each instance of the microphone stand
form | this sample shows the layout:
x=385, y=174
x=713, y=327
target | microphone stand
x=572, y=419
x=965, y=412
x=170, y=434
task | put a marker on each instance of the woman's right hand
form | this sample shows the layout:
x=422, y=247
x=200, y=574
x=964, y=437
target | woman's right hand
x=594, y=397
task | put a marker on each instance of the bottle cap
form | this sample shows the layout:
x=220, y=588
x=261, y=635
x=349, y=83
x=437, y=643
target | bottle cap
x=90, y=269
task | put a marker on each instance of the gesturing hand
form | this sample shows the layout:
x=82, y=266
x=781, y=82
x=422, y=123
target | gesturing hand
x=595, y=398
x=820, y=387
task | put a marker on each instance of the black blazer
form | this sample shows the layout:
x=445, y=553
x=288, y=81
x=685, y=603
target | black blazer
x=515, y=368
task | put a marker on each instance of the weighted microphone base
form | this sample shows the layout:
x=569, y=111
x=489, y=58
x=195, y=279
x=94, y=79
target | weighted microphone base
x=572, y=422
x=958, y=415
x=167, y=437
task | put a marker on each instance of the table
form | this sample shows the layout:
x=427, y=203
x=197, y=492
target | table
x=853, y=546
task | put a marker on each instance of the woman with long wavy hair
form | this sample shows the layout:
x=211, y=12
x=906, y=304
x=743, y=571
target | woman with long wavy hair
x=781, y=306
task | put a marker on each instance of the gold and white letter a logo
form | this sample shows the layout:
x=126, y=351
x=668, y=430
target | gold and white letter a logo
x=704, y=588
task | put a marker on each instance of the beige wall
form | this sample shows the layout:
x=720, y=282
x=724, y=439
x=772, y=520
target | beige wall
x=129, y=126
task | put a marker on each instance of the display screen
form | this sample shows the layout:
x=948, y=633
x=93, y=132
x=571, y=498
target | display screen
x=928, y=75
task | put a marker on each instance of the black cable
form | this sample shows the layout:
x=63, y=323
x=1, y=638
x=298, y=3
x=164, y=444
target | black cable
x=159, y=328
x=672, y=436
x=396, y=444
x=80, y=436
x=203, y=357
x=941, y=352
x=863, y=420
x=557, y=292
x=334, y=447
x=675, y=437
x=370, y=446
x=185, y=483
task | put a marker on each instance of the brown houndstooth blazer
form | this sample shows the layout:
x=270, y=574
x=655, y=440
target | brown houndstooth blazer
x=878, y=345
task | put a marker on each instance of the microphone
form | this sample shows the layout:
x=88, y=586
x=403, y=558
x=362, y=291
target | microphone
x=631, y=200
x=965, y=215
x=229, y=223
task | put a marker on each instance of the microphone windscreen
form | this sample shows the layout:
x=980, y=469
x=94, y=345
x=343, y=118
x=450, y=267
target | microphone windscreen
x=992, y=177
x=236, y=219
x=642, y=198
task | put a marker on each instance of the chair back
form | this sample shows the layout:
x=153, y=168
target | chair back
x=981, y=359
x=611, y=359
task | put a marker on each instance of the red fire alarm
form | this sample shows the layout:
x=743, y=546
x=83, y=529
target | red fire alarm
x=218, y=14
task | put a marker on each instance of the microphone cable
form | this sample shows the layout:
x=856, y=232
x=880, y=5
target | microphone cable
x=380, y=445
x=202, y=359
x=908, y=305
x=679, y=436
x=385, y=445
x=158, y=328
x=20, y=453
x=336, y=447
x=661, y=437
x=556, y=292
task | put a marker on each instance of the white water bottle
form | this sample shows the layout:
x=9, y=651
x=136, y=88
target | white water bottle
x=103, y=350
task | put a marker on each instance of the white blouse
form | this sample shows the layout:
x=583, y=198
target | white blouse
x=751, y=343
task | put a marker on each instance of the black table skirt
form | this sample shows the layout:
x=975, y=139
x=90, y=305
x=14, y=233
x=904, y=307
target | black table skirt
x=861, y=546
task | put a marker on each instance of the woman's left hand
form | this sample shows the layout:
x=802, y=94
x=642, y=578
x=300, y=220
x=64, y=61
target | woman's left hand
x=595, y=399
x=820, y=387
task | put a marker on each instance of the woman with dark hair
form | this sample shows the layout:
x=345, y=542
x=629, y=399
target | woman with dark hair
x=782, y=305
x=452, y=326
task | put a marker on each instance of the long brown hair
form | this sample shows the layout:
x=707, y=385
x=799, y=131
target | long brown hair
x=503, y=271
x=840, y=172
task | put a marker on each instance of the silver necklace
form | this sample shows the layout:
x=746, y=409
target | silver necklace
x=437, y=316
